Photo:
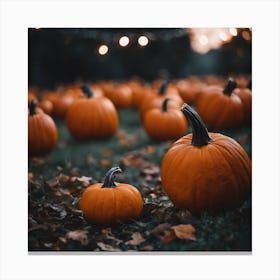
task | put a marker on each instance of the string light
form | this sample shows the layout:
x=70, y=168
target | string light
x=233, y=31
x=223, y=36
x=124, y=41
x=203, y=40
x=143, y=41
x=103, y=49
x=246, y=35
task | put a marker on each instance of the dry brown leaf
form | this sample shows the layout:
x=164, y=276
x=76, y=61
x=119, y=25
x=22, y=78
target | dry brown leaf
x=78, y=235
x=184, y=231
x=84, y=179
x=107, y=247
x=147, y=248
x=137, y=239
x=168, y=236
x=63, y=178
x=52, y=182
x=160, y=228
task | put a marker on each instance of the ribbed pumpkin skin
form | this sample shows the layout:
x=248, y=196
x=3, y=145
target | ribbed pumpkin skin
x=93, y=118
x=42, y=134
x=213, y=178
x=218, y=110
x=163, y=126
x=106, y=206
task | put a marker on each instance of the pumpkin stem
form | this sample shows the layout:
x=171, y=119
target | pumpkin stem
x=87, y=90
x=32, y=108
x=231, y=85
x=200, y=133
x=249, y=85
x=110, y=177
x=163, y=87
x=164, y=104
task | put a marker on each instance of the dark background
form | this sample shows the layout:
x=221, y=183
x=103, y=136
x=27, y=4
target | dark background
x=63, y=55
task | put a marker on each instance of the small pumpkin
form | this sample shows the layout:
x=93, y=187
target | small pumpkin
x=120, y=95
x=221, y=108
x=110, y=202
x=189, y=90
x=165, y=124
x=206, y=171
x=92, y=117
x=155, y=99
x=46, y=105
x=42, y=132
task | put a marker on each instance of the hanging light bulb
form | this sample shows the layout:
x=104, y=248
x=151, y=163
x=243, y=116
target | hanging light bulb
x=143, y=41
x=124, y=41
x=103, y=49
x=233, y=31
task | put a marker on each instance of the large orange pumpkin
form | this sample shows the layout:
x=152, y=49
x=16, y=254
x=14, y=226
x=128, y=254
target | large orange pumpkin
x=92, y=118
x=220, y=108
x=111, y=202
x=206, y=171
x=42, y=132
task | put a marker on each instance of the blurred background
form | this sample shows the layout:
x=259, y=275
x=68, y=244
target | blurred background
x=63, y=55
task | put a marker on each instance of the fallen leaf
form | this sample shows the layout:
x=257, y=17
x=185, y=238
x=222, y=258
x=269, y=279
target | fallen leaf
x=52, y=182
x=160, y=228
x=63, y=178
x=84, y=179
x=78, y=235
x=184, y=231
x=107, y=247
x=147, y=248
x=137, y=239
x=168, y=236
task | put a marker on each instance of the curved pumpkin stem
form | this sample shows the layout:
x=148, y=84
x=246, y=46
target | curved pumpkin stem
x=163, y=87
x=110, y=177
x=87, y=90
x=164, y=104
x=32, y=108
x=231, y=85
x=200, y=133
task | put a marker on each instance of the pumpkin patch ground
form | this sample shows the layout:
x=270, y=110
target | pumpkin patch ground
x=139, y=148
x=56, y=183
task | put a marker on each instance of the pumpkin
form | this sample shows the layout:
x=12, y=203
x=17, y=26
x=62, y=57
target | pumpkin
x=220, y=109
x=110, y=202
x=92, y=117
x=205, y=172
x=245, y=94
x=120, y=95
x=46, y=105
x=61, y=104
x=154, y=100
x=42, y=132
x=188, y=90
x=165, y=124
